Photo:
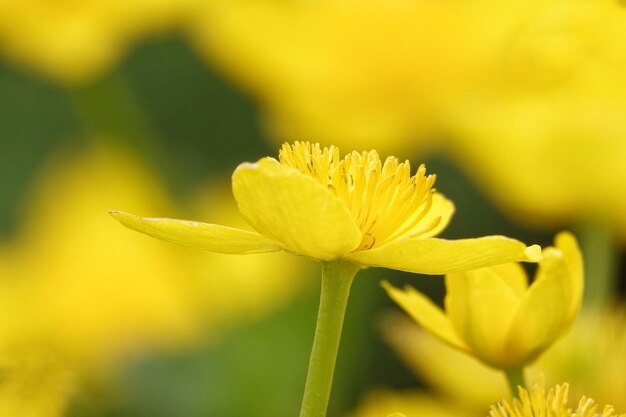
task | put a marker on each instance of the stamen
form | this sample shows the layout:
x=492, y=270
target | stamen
x=385, y=201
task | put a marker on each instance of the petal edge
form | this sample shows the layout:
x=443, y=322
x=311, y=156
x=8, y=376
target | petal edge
x=197, y=235
x=435, y=256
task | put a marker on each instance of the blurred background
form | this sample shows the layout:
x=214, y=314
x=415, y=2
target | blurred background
x=147, y=106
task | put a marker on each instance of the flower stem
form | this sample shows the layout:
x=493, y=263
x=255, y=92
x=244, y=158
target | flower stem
x=597, y=244
x=515, y=378
x=337, y=278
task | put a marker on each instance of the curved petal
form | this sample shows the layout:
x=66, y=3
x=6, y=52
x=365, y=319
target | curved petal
x=295, y=210
x=203, y=236
x=481, y=305
x=542, y=314
x=426, y=313
x=439, y=256
x=441, y=208
x=566, y=243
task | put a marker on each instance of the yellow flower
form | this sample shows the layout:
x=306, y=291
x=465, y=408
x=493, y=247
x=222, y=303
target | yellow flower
x=359, y=209
x=74, y=41
x=494, y=315
x=357, y=74
x=543, y=133
x=553, y=404
x=592, y=356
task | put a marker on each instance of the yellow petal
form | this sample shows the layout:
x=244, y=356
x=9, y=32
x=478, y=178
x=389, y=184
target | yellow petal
x=295, y=210
x=566, y=243
x=440, y=256
x=481, y=305
x=542, y=314
x=427, y=314
x=203, y=236
x=513, y=275
x=441, y=209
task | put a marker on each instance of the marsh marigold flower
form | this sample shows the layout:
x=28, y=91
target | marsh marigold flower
x=358, y=73
x=550, y=112
x=357, y=208
x=553, y=404
x=495, y=315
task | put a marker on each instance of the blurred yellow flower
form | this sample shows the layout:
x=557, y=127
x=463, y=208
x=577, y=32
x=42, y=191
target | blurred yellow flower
x=359, y=209
x=454, y=377
x=494, y=315
x=86, y=296
x=592, y=356
x=76, y=40
x=359, y=74
x=544, y=132
x=381, y=402
x=553, y=404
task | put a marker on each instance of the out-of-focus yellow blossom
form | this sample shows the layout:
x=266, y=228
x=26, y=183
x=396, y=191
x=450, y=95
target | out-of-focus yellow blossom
x=359, y=74
x=592, y=357
x=544, y=133
x=86, y=294
x=358, y=209
x=79, y=284
x=455, y=377
x=75, y=40
x=386, y=403
x=553, y=404
x=496, y=316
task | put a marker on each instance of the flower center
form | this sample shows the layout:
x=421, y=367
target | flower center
x=386, y=202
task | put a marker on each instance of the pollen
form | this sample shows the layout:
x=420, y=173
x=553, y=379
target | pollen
x=384, y=199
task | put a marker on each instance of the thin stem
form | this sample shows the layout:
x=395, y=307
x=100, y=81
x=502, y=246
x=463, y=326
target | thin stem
x=336, y=281
x=515, y=378
x=600, y=254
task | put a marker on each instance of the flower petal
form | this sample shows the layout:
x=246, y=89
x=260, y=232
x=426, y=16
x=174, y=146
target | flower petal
x=543, y=312
x=566, y=243
x=426, y=313
x=295, y=210
x=481, y=305
x=441, y=208
x=203, y=236
x=513, y=275
x=439, y=256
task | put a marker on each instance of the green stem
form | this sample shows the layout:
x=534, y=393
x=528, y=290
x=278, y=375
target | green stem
x=600, y=257
x=336, y=281
x=515, y=378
